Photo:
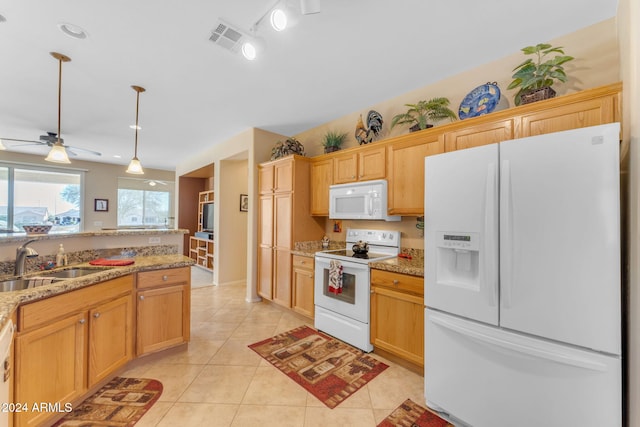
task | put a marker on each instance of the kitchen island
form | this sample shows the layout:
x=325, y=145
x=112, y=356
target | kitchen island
x=92, y=326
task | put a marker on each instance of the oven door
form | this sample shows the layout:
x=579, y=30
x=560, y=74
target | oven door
x=353, y=302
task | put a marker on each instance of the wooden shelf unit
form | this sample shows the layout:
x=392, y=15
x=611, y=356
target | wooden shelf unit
x=202, y=250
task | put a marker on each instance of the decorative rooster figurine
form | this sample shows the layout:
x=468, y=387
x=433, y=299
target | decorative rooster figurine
x=374, y=122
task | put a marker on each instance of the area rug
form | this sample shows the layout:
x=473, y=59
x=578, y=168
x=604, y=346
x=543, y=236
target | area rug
x=327, y=368
x=410, y=414
x=120, y=403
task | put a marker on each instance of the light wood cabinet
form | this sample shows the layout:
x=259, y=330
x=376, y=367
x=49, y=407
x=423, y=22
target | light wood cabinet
x=303, y=270
x=283, y=218
x=68, y=343
x=321, y=180
x=110, y=337
x=406, y=172
x=481, y=134
x=163, y=309
x=397, y=315
x=360, y=165
x=590, y=112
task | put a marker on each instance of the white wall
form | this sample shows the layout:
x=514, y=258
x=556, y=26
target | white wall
x=233, y=224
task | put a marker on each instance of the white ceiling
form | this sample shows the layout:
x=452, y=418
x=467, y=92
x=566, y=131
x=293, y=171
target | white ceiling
x=348, y=57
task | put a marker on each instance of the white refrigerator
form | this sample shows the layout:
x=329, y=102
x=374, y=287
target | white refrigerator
x=522, y=281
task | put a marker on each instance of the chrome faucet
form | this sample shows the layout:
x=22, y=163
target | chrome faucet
x=21, y=255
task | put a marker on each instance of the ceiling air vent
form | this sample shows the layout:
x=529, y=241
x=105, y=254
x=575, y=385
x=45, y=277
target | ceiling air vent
x=227, y=36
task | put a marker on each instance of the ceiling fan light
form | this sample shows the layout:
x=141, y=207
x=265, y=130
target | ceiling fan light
x=58, y=154
x=135, y=167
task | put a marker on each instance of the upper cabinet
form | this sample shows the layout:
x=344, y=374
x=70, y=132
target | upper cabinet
x=361, y=165
x=406, y=171
x=482, y=134
x=321, y=179
x=276, y=177
x=401, y=159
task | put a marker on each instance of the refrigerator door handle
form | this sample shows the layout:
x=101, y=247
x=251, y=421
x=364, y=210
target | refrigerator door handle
x=506, y=234
x=555, y=356
x=489, y=252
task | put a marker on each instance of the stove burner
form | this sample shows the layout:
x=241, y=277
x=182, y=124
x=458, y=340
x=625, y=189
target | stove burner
x=360, y=255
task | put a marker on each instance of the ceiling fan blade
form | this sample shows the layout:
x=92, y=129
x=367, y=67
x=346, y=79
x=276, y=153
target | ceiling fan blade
x=23, y=140
x=68, y=147
x=71, y=152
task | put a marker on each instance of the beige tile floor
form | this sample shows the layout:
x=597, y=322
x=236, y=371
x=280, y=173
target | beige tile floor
x=219, y=381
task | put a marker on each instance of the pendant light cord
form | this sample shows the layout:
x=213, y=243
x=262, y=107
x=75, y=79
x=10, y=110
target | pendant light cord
x=135, y=149
x=59, y=94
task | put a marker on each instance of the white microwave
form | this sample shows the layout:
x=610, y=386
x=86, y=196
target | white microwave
x=360, y=200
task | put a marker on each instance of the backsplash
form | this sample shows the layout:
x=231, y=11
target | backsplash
x=410, y=237
x=34, y=264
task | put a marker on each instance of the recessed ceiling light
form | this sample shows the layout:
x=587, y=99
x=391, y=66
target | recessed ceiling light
x=73, y=31
x=117, y=156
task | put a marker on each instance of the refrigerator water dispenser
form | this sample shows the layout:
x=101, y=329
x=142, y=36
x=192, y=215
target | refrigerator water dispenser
x=458, y=259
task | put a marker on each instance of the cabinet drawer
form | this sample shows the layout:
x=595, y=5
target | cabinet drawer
x=167, y=276
x=44, y=311
x=304, y=262
x=401, y=282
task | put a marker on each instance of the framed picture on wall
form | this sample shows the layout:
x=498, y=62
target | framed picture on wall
x=101, y=205
x=244, y=203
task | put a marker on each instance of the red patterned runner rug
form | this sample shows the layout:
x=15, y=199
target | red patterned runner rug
x=327, y=368
x=122, y=402
x=410, y=414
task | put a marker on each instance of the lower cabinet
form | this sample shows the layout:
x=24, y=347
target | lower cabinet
x=68, y=343
x=397, y=315
x=303, y=302
x=163, y=309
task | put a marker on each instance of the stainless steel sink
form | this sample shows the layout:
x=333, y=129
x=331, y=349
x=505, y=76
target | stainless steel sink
x=72, y=272
x=17, y=284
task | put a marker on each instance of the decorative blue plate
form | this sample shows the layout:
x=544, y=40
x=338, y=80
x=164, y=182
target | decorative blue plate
x=481, y=100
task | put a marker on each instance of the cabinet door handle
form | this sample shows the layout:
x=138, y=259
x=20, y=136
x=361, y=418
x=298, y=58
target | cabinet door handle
x=311, y=276
x=303, y=262
x=96, y=315
x=395, y=282
x=165, y=278
x=82, y=321
x=141, y=297
x=372, y=291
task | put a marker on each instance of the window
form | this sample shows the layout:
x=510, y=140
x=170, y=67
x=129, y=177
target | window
x=40, y=195
x=145, y=203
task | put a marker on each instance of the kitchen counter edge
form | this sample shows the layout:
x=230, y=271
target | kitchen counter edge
x=9, y=301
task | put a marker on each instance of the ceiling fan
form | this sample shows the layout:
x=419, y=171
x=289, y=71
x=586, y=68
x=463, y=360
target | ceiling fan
x=58, y=152
x=49, y=140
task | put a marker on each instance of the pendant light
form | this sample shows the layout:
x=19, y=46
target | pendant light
x=134, y=166
x=58, y=153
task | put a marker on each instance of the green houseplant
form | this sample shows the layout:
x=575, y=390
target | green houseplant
x=333, y=140
x=534, y=77
x=423, y=114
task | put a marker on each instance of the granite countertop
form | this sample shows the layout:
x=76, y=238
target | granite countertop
x=413, y=266
x=23, y=237
x=9, y=301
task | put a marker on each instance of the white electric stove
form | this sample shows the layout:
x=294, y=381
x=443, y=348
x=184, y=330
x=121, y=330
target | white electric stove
x=345, y=315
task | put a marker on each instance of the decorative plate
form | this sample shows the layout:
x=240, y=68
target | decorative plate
x=481, y=100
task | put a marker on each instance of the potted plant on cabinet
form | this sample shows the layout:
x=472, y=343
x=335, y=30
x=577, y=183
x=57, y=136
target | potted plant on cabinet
x=332, y=141
x=535, y=78
x=421, y=114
